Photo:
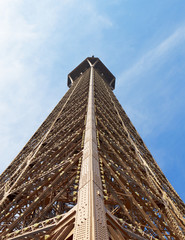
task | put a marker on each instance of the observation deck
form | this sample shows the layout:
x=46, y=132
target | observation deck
x=99, y=67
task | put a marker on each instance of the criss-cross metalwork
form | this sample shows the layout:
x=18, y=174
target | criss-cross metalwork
x=87, y=174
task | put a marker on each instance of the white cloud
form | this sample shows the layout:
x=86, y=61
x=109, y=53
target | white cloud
x=152, y=91
x=33, y=35
x=154, y=56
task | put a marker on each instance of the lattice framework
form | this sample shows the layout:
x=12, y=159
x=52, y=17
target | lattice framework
x=40, y=192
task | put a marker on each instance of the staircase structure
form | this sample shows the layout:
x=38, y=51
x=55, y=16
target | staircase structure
x=86, y=174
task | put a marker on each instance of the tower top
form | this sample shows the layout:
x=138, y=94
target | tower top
x=98, y=65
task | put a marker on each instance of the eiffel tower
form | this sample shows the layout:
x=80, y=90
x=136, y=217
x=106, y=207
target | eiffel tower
x=86, y=174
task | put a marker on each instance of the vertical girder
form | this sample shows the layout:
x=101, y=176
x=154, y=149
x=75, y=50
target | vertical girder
x=90, y=218
x=86, y=174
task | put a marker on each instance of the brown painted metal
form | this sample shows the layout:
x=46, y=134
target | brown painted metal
x=86, y=173
x=90, y=219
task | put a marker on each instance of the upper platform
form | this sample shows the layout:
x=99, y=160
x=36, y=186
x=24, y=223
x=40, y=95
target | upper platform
x=99, y=66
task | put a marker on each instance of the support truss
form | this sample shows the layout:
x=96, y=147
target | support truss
x=86, y=173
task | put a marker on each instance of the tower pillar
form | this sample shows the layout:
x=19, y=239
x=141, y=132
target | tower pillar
x=90, y=221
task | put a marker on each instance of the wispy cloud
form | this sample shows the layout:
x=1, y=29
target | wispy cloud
x=33, y=36
x=154, y=56
x=151, y=90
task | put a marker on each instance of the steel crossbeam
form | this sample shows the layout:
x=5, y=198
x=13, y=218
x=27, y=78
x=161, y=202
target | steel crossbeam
x=87, y=174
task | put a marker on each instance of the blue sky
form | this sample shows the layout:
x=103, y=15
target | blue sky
x=142, y=42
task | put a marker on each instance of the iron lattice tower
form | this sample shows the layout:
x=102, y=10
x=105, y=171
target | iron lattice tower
x=86, y=173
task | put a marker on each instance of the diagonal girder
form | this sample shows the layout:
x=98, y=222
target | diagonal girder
x=130, y=171
x=49, y=178
x=87, y=174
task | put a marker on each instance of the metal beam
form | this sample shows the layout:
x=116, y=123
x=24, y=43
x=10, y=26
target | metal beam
x=90, y=221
